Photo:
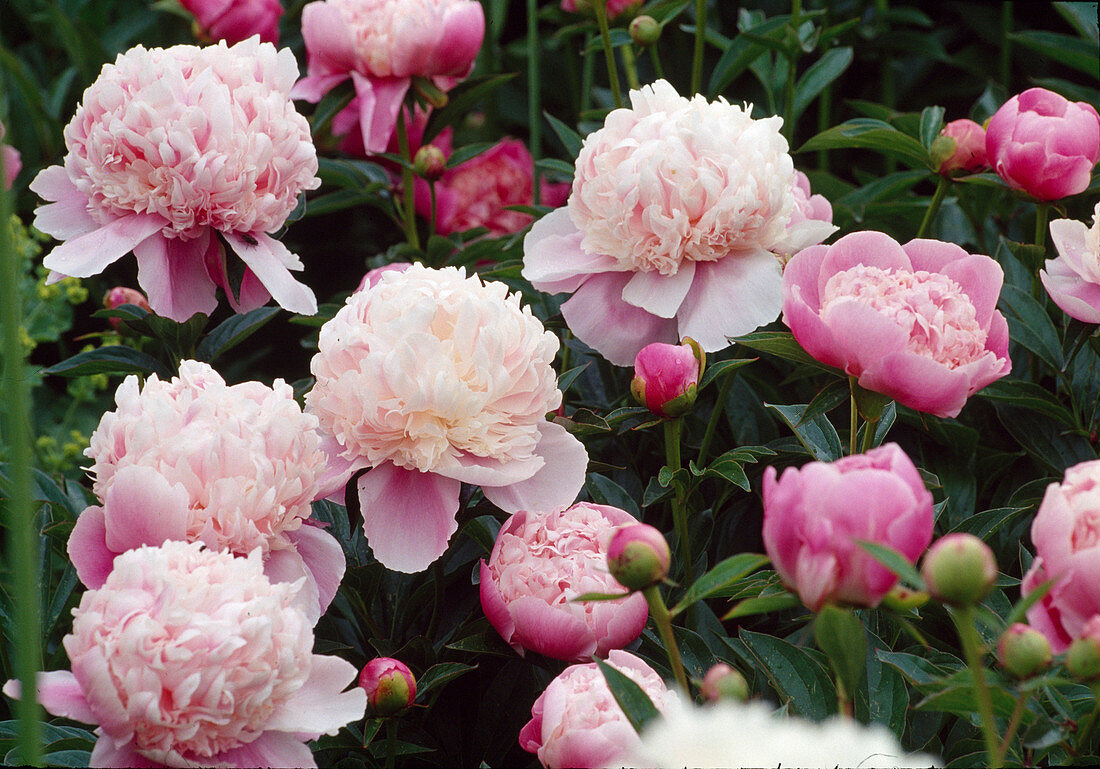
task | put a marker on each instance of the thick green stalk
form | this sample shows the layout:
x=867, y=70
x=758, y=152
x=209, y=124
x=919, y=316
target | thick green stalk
x=934, y=206
x=431, y=221
x=853, y=420
x=631, y=67
x=673, y=429
x=534, y=94
x=608, y=51
x=663, y=621
x=1042, y=213
x=408, y=192
x=973, y=653
x=792, y=69
x=588, y=75
x=391, y=742
x=656, y=59
x=700, y=40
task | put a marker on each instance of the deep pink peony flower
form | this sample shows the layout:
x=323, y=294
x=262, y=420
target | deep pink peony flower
x=1043, y=144
x=814, y=514
x=1066, y=533
x=194, y=459
x=13, y=162
x=1073, y=279
x=965, y=140
x=190, y=657
x=237, y=20
x=576, y=722
x=915, y=322
x=435, y=379
x=475, y=193
x=381, y=45
x=678, y=212
x=614, y=7
x=539, y=564
x=171, y=148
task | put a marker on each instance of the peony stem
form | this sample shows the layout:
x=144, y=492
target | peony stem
x=431, y=222
x=792, y=68
x=700, y=39
x=933, y=207
x=673, y=429
x=973, y=652
x=608, y=51
x=391, y=742
x=408, y=192
x=631, y=68
x=534, y=96
x=1042, y=212
x=853, y=421
x=656, y=59
x=663, y=621
x=1010, y=732
x=19, y=518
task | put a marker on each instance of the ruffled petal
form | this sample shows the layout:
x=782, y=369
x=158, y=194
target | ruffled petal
x=556, y=484
x=733, y=296
x=553, y=260
x=322, y=706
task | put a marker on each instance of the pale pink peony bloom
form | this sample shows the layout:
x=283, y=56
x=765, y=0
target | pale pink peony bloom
x=965, y=140
x=236, y=20
x=813, y=516
x=435, y=379
x=614, y=7
x=810, y=211
x=1043, y=144
x=171, y=148
x=193, y=459
x=576, y=722
x=916, y=322
x=190, y=657
x=381, y=45
x=1066, y=533
x=371, y=278
x=539, y=564
x=1073, y=278
x=476, y=193
x=678, y=212
x=13, y=162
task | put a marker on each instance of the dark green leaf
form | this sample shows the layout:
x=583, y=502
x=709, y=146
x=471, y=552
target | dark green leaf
x=728, y=469
x=798, y=677
x=232, y=331
x=818, y=434
x=986, y=524
x=114, y=359
x=871, y=134
x=1065, y=49
x=742, y=52
x=931, y=122
x=570, y=139
x=1027, y=601
x=917, y=670
x=1044, y=439
x=818, y=76
x=635, y=703
x=488, y=642
x=783, y=345
x=605, y=491
x=721, y=577
x=1030, y=326
x=461, y=100
x=358, y=175
x=462, y=154
x=568, y=377
x=482, y=530
x=831, y=396
x=894, y=561
x=763, y=604
x=1028, y=395
x=721, y=368
x=599, y=597
x=438, y=675
x=331, y=103
x=555, y=166
x=839, y=633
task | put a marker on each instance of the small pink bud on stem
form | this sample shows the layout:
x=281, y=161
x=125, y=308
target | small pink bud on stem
x=959, y=569
x=638, y=556
x=389, y=684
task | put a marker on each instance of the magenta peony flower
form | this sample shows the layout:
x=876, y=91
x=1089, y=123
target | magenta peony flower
x=813, y=516
x=171, y=148
x=13, y=162
x=666, y=377
x=678, y=211
x=381, y=45
x=190, y=657
x=194, y=459
x=1073, y=279
x=1043, y=144
x=236, y=20
x=1066, y=533
x=965, y=141
x=539, y=564
x=475, y=193
x=576, y=722
x=614, y=7
x=435, y=379
x=914, y=322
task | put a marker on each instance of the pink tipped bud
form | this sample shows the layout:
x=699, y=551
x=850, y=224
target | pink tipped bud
x=120, y=295
x=959, y=147
x=724, y=683
x=389, y=684
x=666, y=377
x=959, y=569
x=902, y=598
x=1023, y=651
x=430, y=162
x=645, y=30
x=638, y=556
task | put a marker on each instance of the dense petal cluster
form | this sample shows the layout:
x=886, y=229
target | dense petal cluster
x=539, y=564
x=677, y=206
x=1073, y=278
x=170, y=146
x=190, y=657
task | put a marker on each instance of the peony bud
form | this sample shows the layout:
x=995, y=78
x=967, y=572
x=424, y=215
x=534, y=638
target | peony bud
x=638, y=556
x=724, y=683
x=1023, y=651
x=429, y=162
x=959, y=147
x=666, y=376
x=1083, y=659
x=902, y=598
x=645, y=31
x=389, y=684
x=120, y=295
x=959, y=569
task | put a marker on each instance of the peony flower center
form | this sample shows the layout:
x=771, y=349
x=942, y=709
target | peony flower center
x=932, y=309
x=382, y=28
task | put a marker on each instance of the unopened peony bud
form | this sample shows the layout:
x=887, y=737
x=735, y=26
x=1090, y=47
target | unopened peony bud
x=389, y=684
x=429, y=162
x=724, y=683
x=959, y=147
x=1023, y=651
x=902, y=598
x=666, y=377
x=120, y=295
x=638, y=556
x=645, y=30
x=1083, y=659
x=959, y=569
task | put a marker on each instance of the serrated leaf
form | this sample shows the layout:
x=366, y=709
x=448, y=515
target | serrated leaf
x=762, y=604
x=114, y=359
x=232, y=331
x=894, y=561
x=635, y=703
x=720, y=577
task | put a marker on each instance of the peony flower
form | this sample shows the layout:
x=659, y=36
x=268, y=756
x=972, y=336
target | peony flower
x=960, y=147
x=434, y=379
x=1073, y=279
x=171, y=148
x=576, y=722
x=1066, y=533
x=915, y=322
x=371, y=278
x=190, y=657
x=678, y=211
x=539, y=564
x=751, y=734
x=235, y=467
x=12, y=161
x=389, y=684
x=666, y=377
x=814, y=515
x=1043, y=144
x=614, y=7
x=236, y=20
x=477, y=192
x=381, y=45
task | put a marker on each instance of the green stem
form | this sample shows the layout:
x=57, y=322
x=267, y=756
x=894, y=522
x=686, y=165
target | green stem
x=673, y=429
x=934, y=206
x=853, y=420
x=1010, y=732
x=663, y=621
x=712, y=423
x=869, y=428
x=408, y=191
x=391, y=742
x=1042, y=212
x=843, y=701
x=588, y=75
x=631, y=67
x=1006, y=42
x=974, y=653
x=656, y=59
x=19, y=519
x=608, y=51
x=700, y=39
x=431, y=221
x=534, y=94
x=889, y=82
x=792, y=68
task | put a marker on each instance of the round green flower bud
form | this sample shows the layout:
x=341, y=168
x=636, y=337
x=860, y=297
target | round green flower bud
x=724, y=683
x=429, y=162
x=1023, y=651
x=638, y=556
x=959, y=569
x=1083, y=659
x=645, y=30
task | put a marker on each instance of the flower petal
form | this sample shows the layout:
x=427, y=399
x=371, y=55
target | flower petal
x=553, y=260
x=599, y=317
x=733, y=296
x=324, y=558
x=88, y=549
x=554, y=631
x=58, y=692
x=142, y=508
x=269, y=260
x=321, y=706
x=89, y=254
x=659, y=294
x=380, y=101
x=556, y=484
x=274, y=749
